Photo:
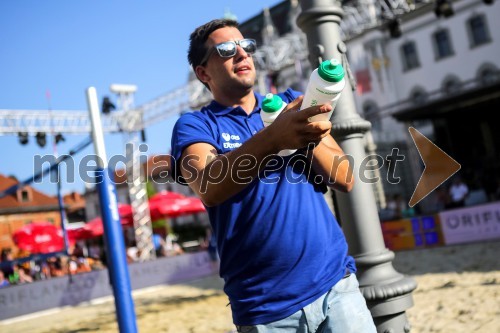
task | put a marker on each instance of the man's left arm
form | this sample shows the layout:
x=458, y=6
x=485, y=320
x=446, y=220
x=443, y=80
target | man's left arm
x=330, y=162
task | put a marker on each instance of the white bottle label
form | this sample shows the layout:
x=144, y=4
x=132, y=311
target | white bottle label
x=320, y=92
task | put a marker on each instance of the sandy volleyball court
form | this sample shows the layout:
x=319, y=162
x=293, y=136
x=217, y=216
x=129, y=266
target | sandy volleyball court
x=459, y=291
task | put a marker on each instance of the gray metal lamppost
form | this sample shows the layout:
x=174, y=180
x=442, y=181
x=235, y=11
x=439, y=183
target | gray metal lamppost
x=387, y=292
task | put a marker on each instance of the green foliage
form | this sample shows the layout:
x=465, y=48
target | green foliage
x=150, y=188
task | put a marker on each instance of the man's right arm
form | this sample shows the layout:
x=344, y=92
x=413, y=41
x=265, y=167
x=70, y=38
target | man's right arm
x=216, y=178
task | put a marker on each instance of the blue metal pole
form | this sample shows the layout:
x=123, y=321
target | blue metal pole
x=115, y=247
x=62, y=213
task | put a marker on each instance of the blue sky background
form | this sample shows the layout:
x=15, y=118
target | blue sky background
x=66, y=46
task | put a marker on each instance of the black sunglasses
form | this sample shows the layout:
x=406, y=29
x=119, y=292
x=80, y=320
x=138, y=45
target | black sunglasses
x=228, y=49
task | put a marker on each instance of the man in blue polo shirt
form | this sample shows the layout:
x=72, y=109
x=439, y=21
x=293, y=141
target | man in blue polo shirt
x=283, y=256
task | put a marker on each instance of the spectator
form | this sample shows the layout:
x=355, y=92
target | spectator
x=458, y=192
x=45, y=271
x=442, y=199
x=24, y=277
x=94, y=250
x=172, y=248
x=55, y=267
x=396, y=206
x=14, y=276
x=159, y=245
x=73, y=265
x=3, y=282
x=210, y=244
x=83, y=265
x=132, y=254
x=78, y=250
x=7, y=256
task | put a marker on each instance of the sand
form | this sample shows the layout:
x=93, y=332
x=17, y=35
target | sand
x=459, y=291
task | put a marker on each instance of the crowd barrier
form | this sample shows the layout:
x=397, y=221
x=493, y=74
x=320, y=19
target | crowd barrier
x=63, y=291
x=455, y=226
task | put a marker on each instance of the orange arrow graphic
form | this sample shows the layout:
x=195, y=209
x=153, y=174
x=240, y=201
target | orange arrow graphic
x=439, y=166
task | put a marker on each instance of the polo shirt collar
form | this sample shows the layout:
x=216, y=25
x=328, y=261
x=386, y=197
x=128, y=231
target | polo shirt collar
x=221, y=110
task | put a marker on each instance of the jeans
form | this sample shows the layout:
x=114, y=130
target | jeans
x=341, y=310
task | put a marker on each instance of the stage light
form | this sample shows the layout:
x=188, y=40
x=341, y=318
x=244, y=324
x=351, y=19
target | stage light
x=41, y=139
x=59, y=137
x=443, y=8
x=107, y=105
x=23, y=138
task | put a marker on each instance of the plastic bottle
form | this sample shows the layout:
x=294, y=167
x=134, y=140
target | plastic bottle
x=272, y=106
x=325, y=86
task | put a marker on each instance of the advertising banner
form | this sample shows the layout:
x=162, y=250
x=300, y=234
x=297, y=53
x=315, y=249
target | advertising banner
x=471, y=224
x=410, y=233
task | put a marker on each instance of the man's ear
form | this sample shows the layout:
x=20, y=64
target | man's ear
x=202, y=74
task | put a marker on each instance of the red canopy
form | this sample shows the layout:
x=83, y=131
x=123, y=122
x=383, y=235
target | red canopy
x=39, y=237
x=161, y=205
x=171, y=204
x=95, y=227
x=125, y=212
x=79, y=234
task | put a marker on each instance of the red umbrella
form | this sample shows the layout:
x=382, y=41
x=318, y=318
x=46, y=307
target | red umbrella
x=95, y=228
x=166, y=195
x=161, y=205
x=39, y=237
x=125, y=212
x=171, y=204
x=79, y=234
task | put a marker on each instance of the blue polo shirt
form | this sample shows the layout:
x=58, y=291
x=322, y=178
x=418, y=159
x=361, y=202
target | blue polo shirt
x=280, y=246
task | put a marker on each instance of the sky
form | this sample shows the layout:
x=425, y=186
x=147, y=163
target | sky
x=64, y=47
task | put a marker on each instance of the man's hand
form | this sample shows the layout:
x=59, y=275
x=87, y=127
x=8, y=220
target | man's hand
x=292, y=129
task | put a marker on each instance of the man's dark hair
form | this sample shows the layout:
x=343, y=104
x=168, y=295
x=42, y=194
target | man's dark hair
x=197, y=48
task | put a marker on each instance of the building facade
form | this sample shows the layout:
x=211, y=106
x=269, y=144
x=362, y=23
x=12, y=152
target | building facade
x=430, y=65
x=441, y=76
x=25, y=206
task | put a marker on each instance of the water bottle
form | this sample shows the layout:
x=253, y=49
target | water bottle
x=325, y=85
x=272, y=105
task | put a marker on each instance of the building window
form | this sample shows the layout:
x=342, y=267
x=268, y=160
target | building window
x=24, y=195
x=478, y=31
x=442, y=44
x=370, y=111
x=488, y=74
x=410, y=56
x=452, y=85
x=419, y=96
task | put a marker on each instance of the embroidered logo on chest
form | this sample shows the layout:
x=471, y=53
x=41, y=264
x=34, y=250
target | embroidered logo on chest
x=230, y=145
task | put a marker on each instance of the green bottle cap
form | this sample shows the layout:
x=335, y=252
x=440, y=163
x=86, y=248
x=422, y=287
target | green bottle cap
x=272, y=103
x=331, y=70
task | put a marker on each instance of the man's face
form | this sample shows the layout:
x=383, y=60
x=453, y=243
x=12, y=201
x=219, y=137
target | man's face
x=228, y=75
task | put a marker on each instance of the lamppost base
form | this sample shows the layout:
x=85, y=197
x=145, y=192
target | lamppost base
x=394, y=323
x=387, y=292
